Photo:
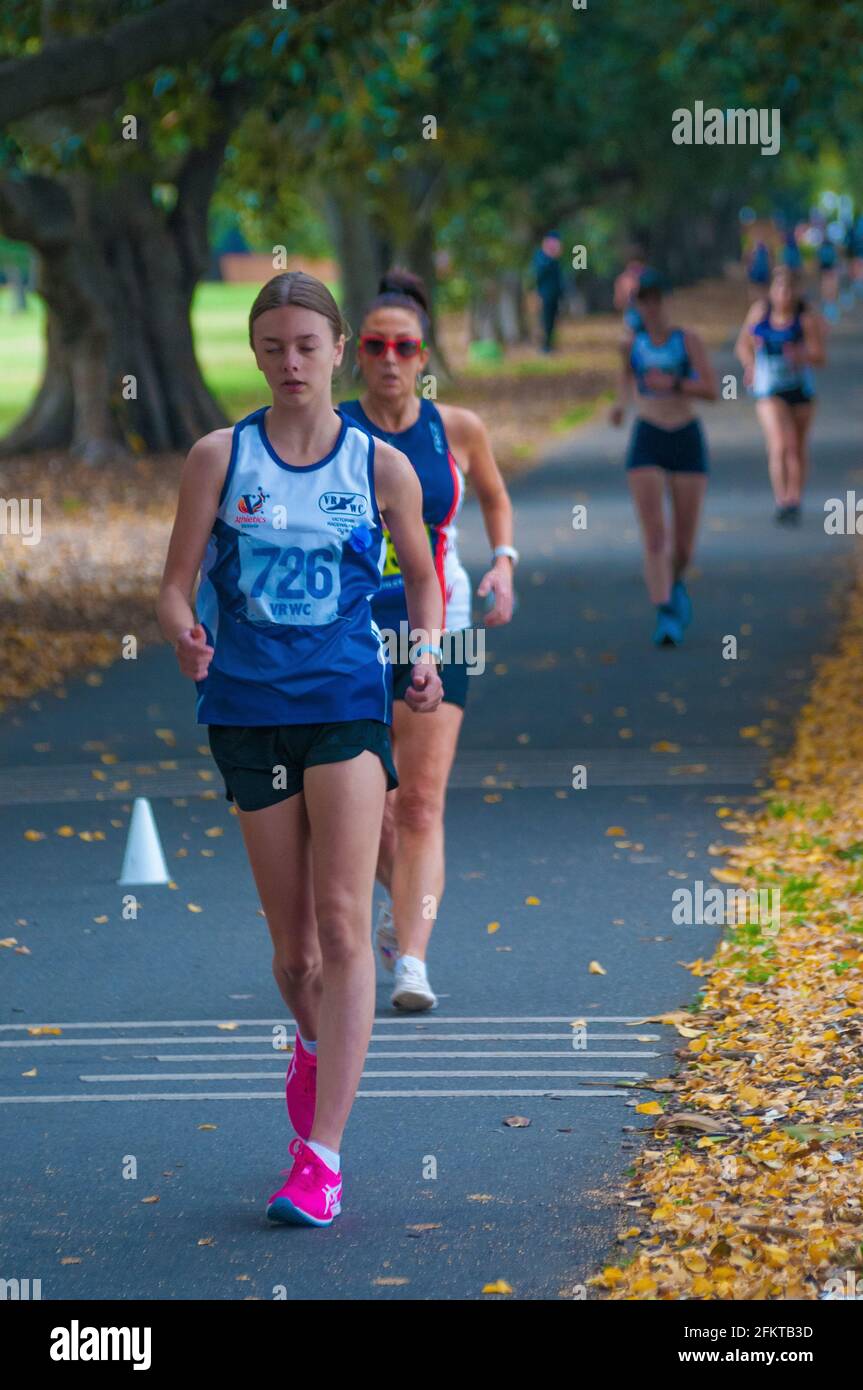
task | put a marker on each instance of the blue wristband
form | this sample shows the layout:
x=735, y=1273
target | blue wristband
x=433, y=651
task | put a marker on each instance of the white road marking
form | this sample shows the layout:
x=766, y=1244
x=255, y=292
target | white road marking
x=431, y=1053
x=289, y=1023
x=267, y=1038
x=408, y=1036
x=266, y=1075
x=279, y=1095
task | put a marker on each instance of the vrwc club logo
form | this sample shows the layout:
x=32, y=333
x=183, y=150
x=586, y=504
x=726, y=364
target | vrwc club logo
x=250, y=507
x=345, y=503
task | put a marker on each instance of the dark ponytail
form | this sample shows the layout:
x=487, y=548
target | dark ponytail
x=401, y=289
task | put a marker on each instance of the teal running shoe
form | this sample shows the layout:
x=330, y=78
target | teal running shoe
x=668, y=631
x=681, y=603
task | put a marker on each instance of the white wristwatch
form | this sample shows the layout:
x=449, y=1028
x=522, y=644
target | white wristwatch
x=508, y=551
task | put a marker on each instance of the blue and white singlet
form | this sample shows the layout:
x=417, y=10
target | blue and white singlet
x=670, y=356
x=426, y=445
x=774, y=370
x=287, y=580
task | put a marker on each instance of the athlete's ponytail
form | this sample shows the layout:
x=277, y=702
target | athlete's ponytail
x=296, y=287
x=401, y=289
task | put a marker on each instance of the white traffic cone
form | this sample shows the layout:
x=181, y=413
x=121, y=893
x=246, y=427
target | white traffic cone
x=143, y=861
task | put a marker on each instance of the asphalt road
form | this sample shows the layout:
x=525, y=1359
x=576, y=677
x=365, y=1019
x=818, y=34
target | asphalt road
x=147, y=1094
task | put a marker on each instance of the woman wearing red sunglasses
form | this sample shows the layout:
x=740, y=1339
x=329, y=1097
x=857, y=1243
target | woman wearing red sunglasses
x=443, y=443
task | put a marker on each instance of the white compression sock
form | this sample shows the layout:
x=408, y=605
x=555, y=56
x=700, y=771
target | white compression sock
x=327, y=1156
x=309, y=1046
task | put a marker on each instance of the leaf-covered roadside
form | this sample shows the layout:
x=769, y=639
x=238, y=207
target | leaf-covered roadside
x=753, y=1185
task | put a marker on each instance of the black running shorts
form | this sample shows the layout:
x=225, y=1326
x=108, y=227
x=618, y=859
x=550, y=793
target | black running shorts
x=264, y=764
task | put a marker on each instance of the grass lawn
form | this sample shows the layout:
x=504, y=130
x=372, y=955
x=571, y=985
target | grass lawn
x=21, y=357
x=219, y=317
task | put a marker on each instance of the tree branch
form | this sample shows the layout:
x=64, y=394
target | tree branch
x=77, y=67
x=36, y=210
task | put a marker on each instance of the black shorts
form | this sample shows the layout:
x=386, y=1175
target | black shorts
x=454, y=679
x=796, y=395
x=677, y=451
x=264, y=764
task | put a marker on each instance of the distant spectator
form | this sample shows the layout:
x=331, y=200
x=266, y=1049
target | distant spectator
x=549, y=284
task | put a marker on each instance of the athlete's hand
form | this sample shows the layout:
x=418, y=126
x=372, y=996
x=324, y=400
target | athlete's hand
x=498, y=581
x=425, y=691
x=193, y=654
x=748, y=374
x=616, y=414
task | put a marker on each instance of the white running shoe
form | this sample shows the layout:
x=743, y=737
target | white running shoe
x=386, y=941
x=412, y=990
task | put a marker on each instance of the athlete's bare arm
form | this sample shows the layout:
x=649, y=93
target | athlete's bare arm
x=744, y=348
x=200, y=488
x=625, y=386
x=399, y=497
x=703, y=385
x=471, y=445
x=814, y=337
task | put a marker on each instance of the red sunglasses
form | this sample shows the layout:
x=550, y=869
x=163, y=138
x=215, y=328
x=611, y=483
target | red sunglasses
x=376, y=346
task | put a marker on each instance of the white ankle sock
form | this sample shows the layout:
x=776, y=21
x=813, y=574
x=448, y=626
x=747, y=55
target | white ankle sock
x=309, y=1046
x=412, y=960
x=327, y=1156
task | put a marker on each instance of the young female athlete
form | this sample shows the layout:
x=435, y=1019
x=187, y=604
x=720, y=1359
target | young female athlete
x=780, y=341
x=443, y=444
x=669, y=367
x=286, y=511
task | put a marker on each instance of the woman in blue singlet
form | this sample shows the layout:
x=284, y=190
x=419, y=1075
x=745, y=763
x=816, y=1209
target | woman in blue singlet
x=666, y=368
x=444, y=443
x=780, y=341
x=284, y=513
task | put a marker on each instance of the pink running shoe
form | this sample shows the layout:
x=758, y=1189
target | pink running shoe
x=301, y=1085
x=311, y=1196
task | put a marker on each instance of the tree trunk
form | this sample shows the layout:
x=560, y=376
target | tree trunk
x=117, y=274
x=512, y=320
x=363, y=253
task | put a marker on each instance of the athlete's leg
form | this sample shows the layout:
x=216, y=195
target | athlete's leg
x=345, y=802
x=387, y=847
x=775, y=419
x=424, y=747
x=279, y=849
x=802, y=416
x=687, y=497
x=647, y=486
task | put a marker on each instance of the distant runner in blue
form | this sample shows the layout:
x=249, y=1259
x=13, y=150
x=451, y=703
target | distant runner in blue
x=665, y=368
x=781, y=340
